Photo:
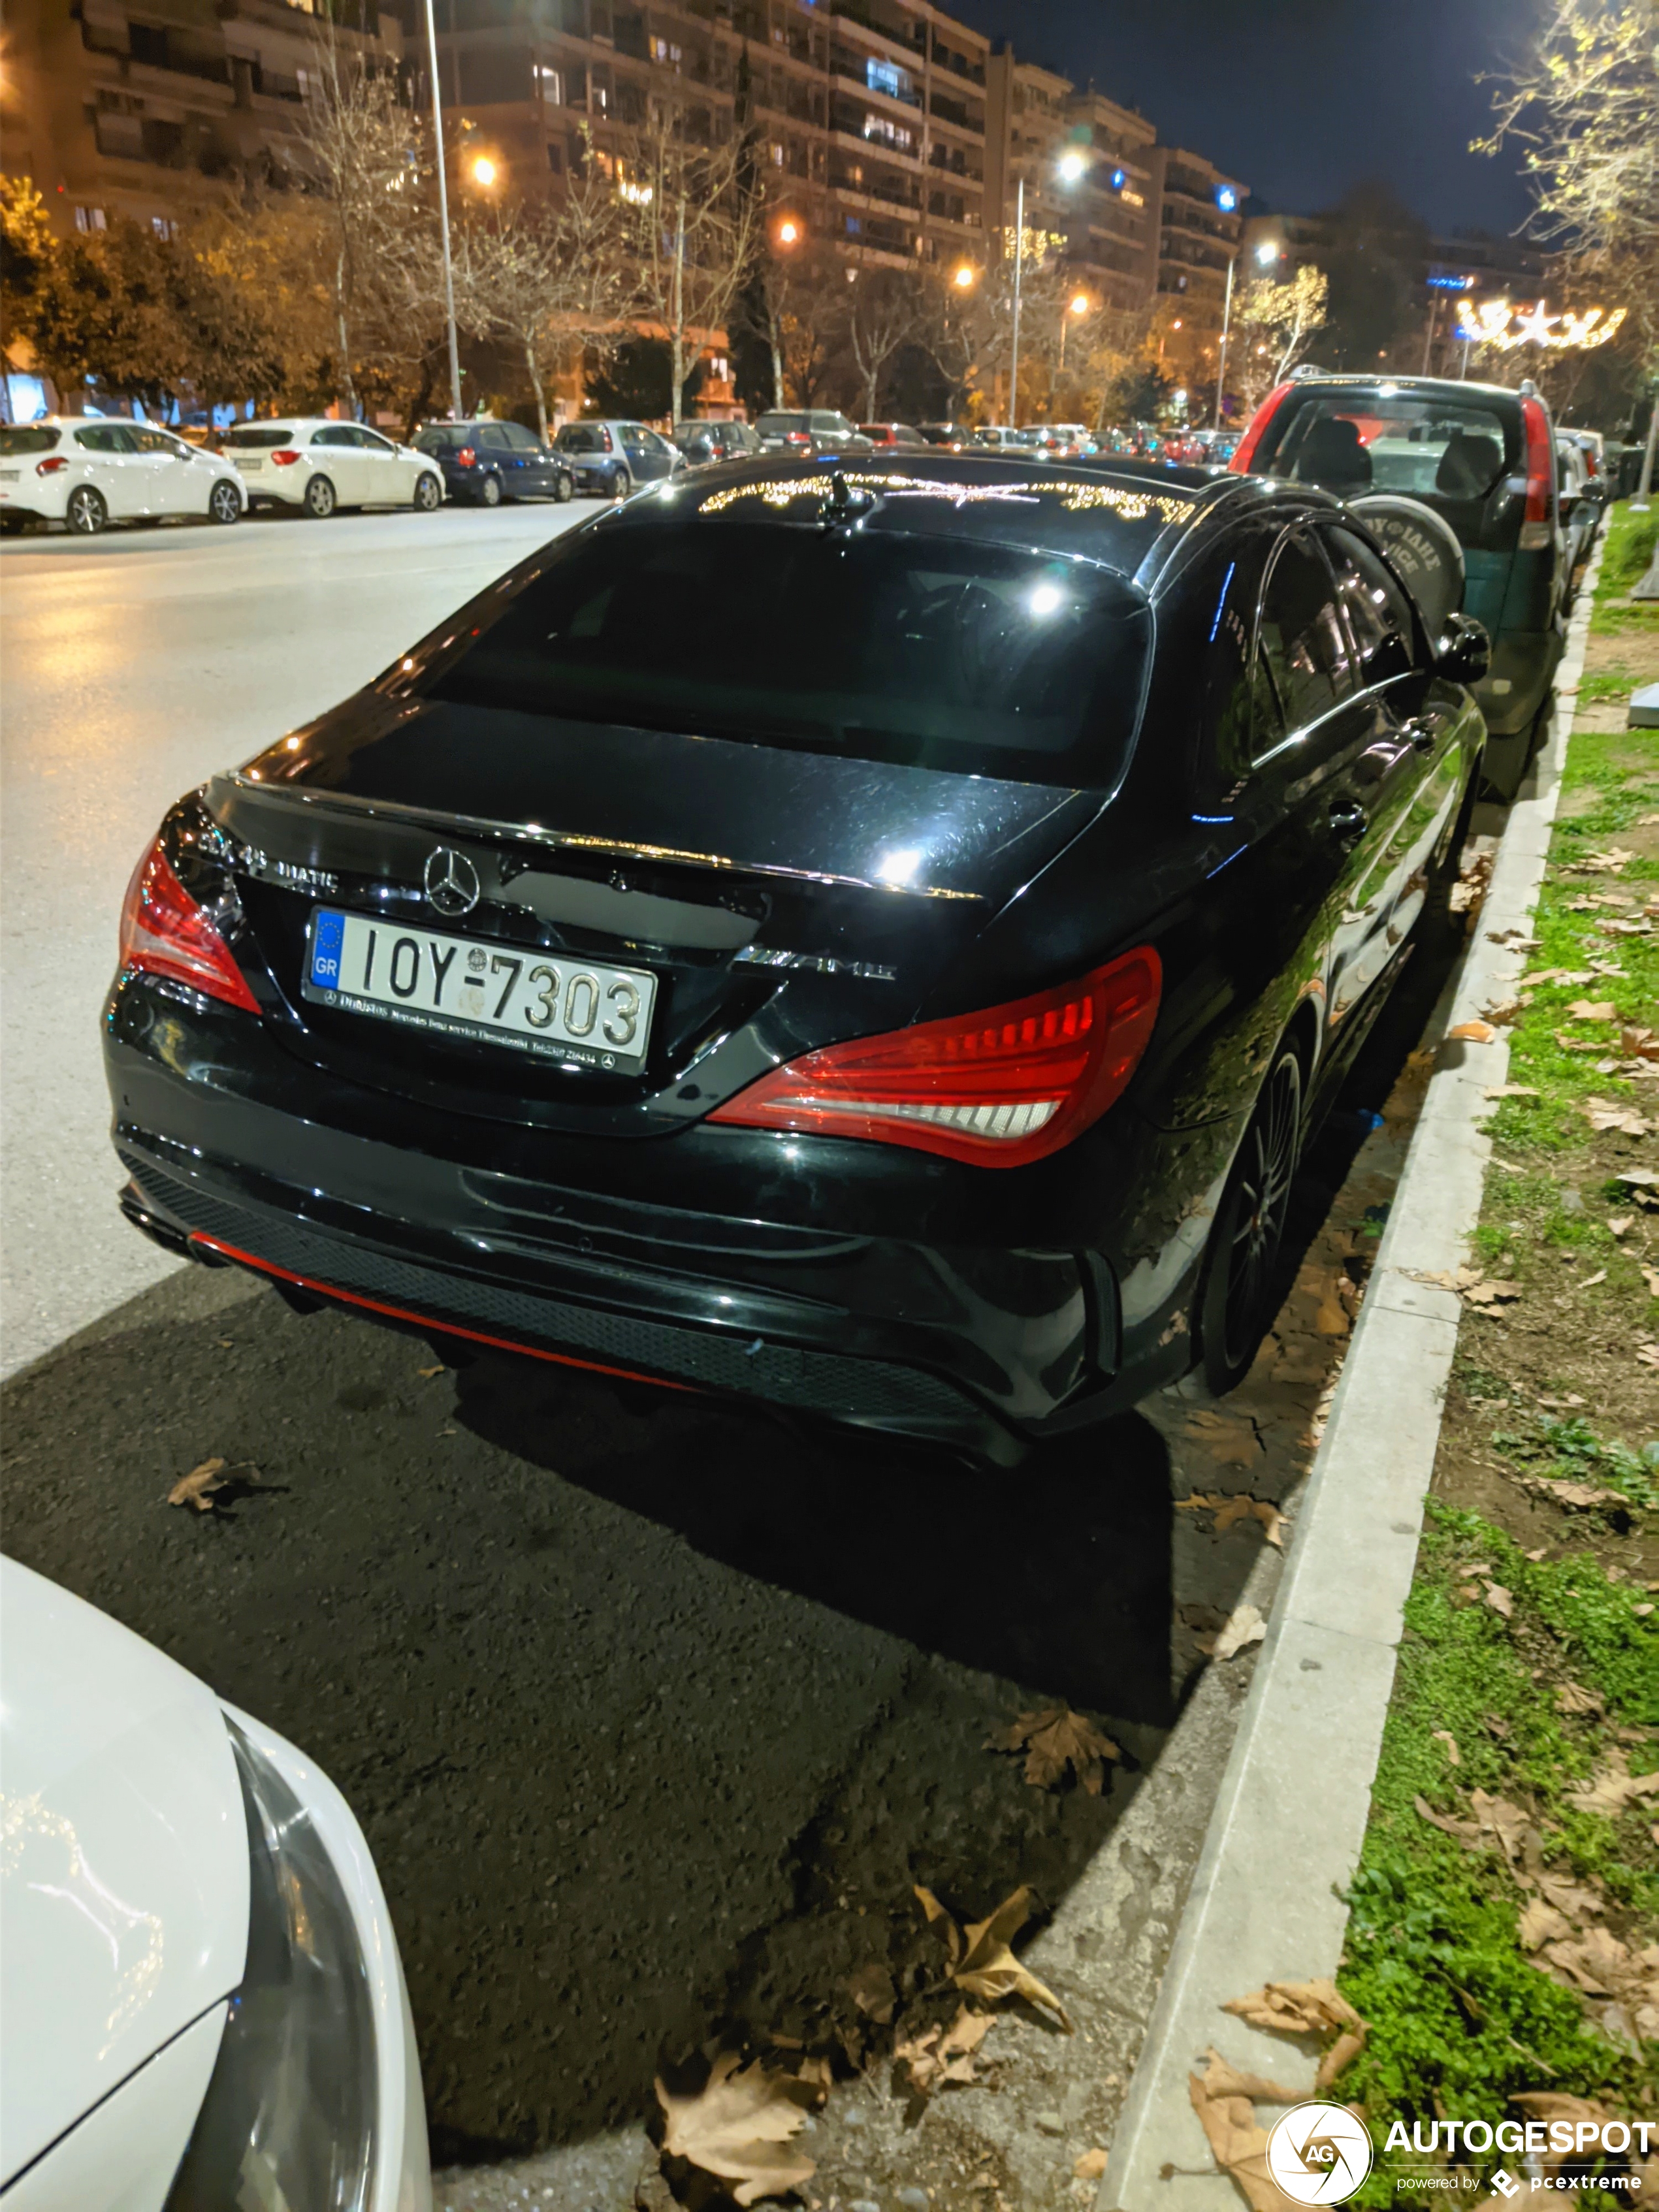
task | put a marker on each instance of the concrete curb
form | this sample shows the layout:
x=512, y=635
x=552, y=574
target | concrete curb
x=1285, y=1831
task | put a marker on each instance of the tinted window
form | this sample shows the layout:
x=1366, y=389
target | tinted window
x=493, y=439
x=105, y=438
x=837, y=424
x=584, y=438
x=523, y=441
x=775, y=426
x=1239, y=715
x=935, y=651
x=1378, y=611
x=29, y=439
x=333, y=433
x=261, y=437
x=157, y=442
x=374, y=443
x=1300, y=638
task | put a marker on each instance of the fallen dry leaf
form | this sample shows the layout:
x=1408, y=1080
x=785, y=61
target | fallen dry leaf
x=1648, y=1355
x=197, y=1488
x=1593, y=1010
x=873, y=1991
x=1540, y=1923
x=1608, y=1114
x=1555, y=2105
x=1510, y=1090
x=1316, y=2008
x=739, y=2127
x=1473, y=1032
x=1618, y=1224
x=1241, y=1506
x=945, y=2054
x=1488, y=1294
x=1444, y=1736
x=1054, y=1740
x=1571, y=1699
x=1650, y=1277
x=1245, y=1626
x=1223, y=2100
x=982, y=1962
x=426, y=1374
x=1500, y=1600
x=1579, y=1496
x=1090, y=2166
x=1611, y=1786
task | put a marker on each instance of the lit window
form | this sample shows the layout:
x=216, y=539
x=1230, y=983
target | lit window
x=886, y=77
x=89, y=218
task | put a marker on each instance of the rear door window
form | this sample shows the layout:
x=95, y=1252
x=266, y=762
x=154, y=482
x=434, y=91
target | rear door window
x=1300, y=641
x=1454, y=454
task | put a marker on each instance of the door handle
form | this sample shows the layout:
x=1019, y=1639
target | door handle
x=1348, y=822
x=1424, y=731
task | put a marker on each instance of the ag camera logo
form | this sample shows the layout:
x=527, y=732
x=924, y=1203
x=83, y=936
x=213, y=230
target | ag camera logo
x=1319, y=2153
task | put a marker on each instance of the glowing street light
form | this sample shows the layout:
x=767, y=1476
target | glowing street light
x=788, y=232
x=965, y=277
x=1266, y=253
x=484, y=172
x=1072, y=166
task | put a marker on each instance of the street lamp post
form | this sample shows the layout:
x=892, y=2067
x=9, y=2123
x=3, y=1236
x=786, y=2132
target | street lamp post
x=1019, y=256
x=443, y=219
x=1266, y=253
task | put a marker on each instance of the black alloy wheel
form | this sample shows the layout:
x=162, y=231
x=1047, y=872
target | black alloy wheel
x=86, y=513
x=224, y=503
x=490, y=491
x=320, y=500
x=1240, y=1283
x=428, y=493
x=564, y=486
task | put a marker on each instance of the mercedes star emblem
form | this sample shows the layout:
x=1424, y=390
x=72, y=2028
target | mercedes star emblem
x=451, y=883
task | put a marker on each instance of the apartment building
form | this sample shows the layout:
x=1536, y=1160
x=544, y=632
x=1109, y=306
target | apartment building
x=1200, y=225
x=871, y=112
x=1105, y=206
x=153, y=108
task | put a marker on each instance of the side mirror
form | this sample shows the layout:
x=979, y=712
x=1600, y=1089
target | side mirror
x=1464, y=652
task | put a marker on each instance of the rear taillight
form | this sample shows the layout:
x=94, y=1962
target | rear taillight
x=285, y=457
x=467, y=458
x=1244, y=460
x=51, y=466
x=797, y=437
x=165, y=932
x=1537, y=525
x=998, y=1087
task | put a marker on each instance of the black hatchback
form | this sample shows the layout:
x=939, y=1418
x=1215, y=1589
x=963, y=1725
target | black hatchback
x=907, y=1004
x=1483, y=457
x=488, y=462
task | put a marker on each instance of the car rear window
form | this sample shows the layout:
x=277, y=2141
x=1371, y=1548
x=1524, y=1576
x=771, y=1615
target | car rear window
x=584, y=438
x=261, y=437
x=775, y=426
x=934, y=651
x=30, y=438
x=1454, y=454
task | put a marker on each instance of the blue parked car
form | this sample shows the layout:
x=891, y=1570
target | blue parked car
x=609, y=458
x=489, y=462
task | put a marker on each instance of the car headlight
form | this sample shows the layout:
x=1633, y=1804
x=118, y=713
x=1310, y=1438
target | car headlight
x=288, y=2123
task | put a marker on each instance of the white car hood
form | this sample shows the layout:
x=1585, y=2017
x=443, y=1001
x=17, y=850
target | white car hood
x=124, y=1879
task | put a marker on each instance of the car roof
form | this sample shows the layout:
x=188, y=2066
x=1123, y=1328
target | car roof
x=1438, y=387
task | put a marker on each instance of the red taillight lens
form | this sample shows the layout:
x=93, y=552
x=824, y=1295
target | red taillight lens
x=1244, y=460
x=51, y=466
x=1537, y=523
x=998, y=1087
x=798, y=437
x=467, y=458
x=165, y=932
x=286, y=458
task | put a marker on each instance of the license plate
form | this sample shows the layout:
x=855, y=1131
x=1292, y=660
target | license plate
x=241, y=464
x=8, y=476
x=539, y=1003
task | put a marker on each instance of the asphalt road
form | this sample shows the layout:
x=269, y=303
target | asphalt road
x=654, y=1709
x=135, y=663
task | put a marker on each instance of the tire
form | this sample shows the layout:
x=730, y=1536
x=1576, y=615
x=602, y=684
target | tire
x=564, y=486
x=86, y=513
x=320, y=502
x=621, y=484
x=1237, y=1303
x=428, y=493
x=224, y=503
x=490, y=491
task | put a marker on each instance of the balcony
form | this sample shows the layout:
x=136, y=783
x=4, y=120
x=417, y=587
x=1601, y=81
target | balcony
x=877, y=78
x=873, y=191
x=958, y=65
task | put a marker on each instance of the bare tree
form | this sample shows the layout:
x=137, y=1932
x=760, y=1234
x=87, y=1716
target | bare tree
x=691, y=230
x=549, y=279
x=881, y=317
x=364, y=154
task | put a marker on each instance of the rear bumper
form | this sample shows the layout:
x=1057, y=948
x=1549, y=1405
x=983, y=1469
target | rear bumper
x=1524, y=665
x=981, y=1349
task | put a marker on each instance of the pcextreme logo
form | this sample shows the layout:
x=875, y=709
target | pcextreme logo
x=1320, y=2154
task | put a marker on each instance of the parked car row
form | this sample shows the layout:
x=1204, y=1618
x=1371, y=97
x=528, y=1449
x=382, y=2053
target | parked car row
x=87, y=472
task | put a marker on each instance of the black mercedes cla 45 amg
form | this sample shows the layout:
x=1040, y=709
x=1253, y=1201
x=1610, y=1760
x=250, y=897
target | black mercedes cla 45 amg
x=867, y=936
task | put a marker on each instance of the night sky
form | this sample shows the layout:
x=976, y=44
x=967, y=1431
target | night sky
x=1300, y=98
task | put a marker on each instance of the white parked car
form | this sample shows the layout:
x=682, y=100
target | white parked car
x=320, y=465
x=86, y=472
x=202, y=2004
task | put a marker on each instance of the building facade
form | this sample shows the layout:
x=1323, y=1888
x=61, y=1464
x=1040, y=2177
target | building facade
x=154, y=109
